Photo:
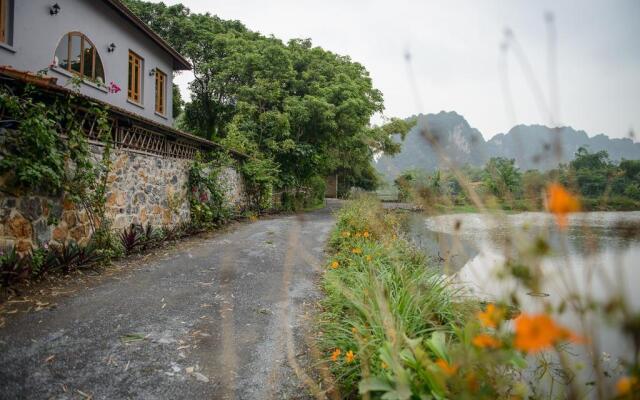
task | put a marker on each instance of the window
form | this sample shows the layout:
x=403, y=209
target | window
x=134, y=87
x=76, y=54
x=161, y=85
x=6, y=10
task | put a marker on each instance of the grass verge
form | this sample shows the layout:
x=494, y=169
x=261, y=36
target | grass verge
x=383, y=304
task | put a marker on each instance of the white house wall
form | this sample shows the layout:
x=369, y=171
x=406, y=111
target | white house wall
x=36, y=35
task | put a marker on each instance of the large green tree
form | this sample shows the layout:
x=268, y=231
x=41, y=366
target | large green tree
x=304, y=108
x=502, y=178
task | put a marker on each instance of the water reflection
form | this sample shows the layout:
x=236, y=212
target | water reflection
x=598, y=255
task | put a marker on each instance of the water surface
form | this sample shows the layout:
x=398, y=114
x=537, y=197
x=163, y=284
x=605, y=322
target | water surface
x=598, y=255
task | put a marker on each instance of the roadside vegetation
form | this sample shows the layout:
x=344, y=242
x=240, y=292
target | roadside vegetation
x=393, y=327
x=300, y=111
x=296, y=112
x=602, y=184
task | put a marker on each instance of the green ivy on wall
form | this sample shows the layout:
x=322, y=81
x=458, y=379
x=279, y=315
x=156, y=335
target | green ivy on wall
x=207, y=200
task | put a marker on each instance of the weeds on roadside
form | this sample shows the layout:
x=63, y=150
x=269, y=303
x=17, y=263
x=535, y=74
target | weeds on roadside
x=392, y=327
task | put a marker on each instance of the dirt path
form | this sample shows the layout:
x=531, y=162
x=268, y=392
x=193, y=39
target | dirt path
x=227, y=318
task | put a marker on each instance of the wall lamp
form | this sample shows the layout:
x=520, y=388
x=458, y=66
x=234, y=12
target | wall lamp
x=152, y=72
x=54, y=9
x=111, y=48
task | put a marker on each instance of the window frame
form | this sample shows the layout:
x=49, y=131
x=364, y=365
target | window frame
x=134, y=94
x=5, y=23
x=83, y=39
x=161, y=95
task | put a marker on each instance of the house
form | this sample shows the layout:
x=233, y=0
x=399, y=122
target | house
x=121, y=61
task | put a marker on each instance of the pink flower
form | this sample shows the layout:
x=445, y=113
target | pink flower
x=204, y=197
x=113, y=87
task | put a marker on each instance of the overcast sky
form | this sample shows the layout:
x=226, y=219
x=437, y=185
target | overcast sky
x=456, y=56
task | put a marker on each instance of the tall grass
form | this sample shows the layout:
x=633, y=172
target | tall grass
x=381, y=294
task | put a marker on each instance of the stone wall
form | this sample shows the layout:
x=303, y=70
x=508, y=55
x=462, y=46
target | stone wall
x=142, y=189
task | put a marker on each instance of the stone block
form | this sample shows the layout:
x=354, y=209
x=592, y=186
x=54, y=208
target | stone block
x=60, y=232
x=42, y=231
x=20, y=227
x=30, y=207
x=70, y=218
x=24, y=246
x=78, y=233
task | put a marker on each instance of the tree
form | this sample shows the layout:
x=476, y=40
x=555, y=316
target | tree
x=502, y=178
x=302, y=107
x=592, y=171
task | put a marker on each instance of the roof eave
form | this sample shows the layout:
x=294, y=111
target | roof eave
x=180, y=63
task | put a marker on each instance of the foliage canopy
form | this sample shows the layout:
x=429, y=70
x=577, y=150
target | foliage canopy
x=302, y=107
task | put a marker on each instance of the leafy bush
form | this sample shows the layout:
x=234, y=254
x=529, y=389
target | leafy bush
x=13, y=268
x=260, y=177
x=107, y=242
x=131, y=238
x=206, y=195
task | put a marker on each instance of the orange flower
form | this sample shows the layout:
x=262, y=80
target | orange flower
x=538, y=332
x=447, y=368
x=336, y=353
x=349, y=357
x=486, y=341
x=625, y=385
x=561, y=203
x=345, y=234
x=491, y=316
x=356, y=250
x=365, y=234
x=335, y=264
x=472, y=382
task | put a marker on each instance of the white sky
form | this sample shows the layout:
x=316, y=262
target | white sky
x=456, y=57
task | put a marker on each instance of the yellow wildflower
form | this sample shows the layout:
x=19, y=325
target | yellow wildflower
x=356, y=250
x=538, y=332
x=335, y=264
x=349, y=357
x=368, y=258
x=447, y=368
x=358, y=234
x=486, y=341
x=561, y=203
x=336, y=353
x=625, y=385
x=491, y=316
x=345, y=234
x=365, y=234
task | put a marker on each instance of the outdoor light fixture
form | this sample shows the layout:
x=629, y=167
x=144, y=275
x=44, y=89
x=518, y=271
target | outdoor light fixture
x=111, y=48
x=54, y=9
x=152, y=72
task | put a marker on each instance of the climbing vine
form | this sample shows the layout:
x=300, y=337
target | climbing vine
x=44, y=148
x=260, y=178
x=206, y=191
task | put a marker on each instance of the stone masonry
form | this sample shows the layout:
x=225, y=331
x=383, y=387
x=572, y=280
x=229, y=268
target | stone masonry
x=142, y=189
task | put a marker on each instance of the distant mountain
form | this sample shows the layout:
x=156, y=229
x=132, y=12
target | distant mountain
x=451, y=141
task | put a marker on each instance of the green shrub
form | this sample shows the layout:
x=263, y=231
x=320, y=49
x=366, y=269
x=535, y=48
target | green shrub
x=380, y=293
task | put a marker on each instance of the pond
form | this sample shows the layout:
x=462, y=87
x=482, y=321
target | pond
x=597, y=255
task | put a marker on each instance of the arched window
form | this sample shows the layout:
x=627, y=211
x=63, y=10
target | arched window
x=78, y=55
